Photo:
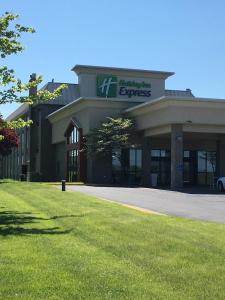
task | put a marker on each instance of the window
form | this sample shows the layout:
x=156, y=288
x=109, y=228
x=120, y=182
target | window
x=206, y=167
x=186, y=153
x=155, y=153
x=135, y=166
x=160, y=153
x=75, y=161
x=74, y=136
x=72, y=165
x=127, y=166
x=189, y=167
x=160, y=165
x=116, y=160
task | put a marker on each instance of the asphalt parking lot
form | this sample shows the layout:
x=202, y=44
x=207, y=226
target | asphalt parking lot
x=202, y=206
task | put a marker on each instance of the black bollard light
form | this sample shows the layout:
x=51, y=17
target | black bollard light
x=63, y=185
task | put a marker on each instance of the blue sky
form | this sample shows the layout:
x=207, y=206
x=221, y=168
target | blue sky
x=187, y=37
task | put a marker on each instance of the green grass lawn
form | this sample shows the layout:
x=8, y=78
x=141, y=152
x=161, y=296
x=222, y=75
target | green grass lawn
x=64, y=245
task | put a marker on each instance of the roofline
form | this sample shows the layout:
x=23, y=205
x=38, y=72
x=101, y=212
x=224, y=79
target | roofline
x=50, y=82
x=165, y=98
x=64, y=107
x=80, y=99
x=58, y=82
x=74, y=123
x=20, y=111
x=100, y=69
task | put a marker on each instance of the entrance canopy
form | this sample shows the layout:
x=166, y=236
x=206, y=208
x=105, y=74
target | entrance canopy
x=201, y=115
x=184, y=125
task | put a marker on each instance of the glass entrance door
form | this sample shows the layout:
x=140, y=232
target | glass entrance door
x=127, y=166
x=189, y=167
x=206, y=167
x=160, y=166
x=199, y=167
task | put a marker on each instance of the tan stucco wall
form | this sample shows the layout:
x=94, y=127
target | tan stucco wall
x=197, y=116
x=59, y=127
x=88, y=114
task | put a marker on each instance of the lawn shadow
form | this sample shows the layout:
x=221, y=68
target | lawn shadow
x=5, y=181
x=67, y=216
x=10, y=230
x=13, y=223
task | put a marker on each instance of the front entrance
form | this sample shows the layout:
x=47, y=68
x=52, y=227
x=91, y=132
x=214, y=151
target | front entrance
x=127, y=167
x=160, y=166
x=206, y=167
x=199, y=167
x=189, y=167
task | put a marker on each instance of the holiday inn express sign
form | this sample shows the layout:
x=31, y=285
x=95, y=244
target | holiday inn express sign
x=109, y=86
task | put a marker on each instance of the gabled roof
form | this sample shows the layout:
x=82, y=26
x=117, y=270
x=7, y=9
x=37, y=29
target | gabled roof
x=67, y=96
x=19, y=112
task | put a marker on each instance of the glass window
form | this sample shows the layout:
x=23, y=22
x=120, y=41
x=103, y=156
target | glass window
x=211, y=161
x=135, y=166
x=206, y=167
x=163, y=153
x=132, y=160
x=74, y=136
x=139, y=158
x=72, y=165
x=155, y=153
x=160, y=153
x=116, y=160
x=201, y=161
x=155, y=167
x=160, y=165
x=127, y=166
x=186, y=154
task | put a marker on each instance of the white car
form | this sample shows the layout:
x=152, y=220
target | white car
x=221, y=184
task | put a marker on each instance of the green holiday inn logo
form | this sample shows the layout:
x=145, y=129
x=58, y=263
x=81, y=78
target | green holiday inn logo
x=106, y=86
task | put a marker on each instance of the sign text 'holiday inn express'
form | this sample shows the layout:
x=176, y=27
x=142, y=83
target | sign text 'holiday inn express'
x=111, y=86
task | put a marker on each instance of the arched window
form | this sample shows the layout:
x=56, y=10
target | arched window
x=75, y=166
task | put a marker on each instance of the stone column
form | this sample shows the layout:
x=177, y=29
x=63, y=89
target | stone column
x=176, y=156
x=146, y=162
x=220, y=157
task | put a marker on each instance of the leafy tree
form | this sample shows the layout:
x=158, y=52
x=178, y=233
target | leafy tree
x=10, y=140
x=112, y=135
x=11, y=87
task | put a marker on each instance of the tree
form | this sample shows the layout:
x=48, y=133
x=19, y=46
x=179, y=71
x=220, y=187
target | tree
x=11, y=87
x=112, y=135
x=10, y=140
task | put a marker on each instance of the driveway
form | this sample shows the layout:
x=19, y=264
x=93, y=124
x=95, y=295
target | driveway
x=209, y=207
